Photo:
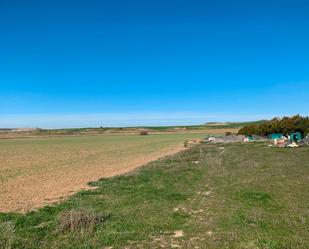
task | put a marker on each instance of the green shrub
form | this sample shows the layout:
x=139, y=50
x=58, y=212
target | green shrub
x=285, y=126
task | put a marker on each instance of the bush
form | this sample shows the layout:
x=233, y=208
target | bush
x=186, y=144
x=285, y=126
x=143, y=132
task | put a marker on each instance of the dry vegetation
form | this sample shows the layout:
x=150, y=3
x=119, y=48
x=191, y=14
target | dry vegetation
x=79, y=221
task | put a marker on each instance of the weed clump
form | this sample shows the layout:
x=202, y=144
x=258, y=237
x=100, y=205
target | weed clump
x=186, y=144
x=6, y=235
x=79, y=220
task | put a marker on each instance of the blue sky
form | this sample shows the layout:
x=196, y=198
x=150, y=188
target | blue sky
x=119, y=63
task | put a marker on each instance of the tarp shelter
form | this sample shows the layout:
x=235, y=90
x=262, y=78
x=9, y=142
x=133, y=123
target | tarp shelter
x=250, y=138
x=295, y=137
x=275, y=136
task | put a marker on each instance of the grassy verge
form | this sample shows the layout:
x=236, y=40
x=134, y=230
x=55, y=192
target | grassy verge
x=211, y=196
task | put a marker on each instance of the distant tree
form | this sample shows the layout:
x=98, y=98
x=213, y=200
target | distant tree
x=249, y=130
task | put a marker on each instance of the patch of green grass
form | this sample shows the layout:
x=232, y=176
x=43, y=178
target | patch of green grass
x=256, y=198
x=244, y=196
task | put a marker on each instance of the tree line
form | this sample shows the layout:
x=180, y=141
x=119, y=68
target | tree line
x=285, y=126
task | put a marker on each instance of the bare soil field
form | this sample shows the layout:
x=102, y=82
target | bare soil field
x=38, y=171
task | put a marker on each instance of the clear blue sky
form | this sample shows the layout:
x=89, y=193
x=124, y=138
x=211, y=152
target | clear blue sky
x=90, y=63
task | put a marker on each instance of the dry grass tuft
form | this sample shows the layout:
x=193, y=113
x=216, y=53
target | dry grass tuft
x=79, y=220
x=6, y=235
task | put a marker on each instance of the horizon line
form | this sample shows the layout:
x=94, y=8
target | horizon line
x=124, y=120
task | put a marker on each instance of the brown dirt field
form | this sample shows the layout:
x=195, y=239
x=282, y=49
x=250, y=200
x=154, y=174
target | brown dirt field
x=36, y=172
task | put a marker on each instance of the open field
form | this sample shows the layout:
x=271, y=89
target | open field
x=237, y=196
x=36, y=171
x=213, y=128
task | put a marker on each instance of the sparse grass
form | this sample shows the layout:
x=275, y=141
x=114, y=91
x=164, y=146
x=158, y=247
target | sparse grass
x=245, y=196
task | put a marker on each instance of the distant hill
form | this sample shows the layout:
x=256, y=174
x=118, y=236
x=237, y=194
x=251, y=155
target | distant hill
x=219, y=125
x=208, y=127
